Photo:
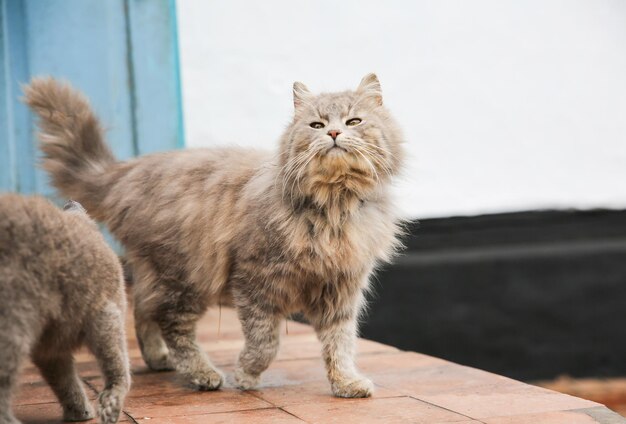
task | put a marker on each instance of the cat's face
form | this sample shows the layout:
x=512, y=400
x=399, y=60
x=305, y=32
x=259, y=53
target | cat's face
x=340, y=141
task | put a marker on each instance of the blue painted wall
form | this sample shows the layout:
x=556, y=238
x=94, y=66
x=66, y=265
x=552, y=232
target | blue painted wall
x=122, y=53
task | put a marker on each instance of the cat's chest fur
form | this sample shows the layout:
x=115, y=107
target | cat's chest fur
x=352, y=247
x=295, y=259
x=319, y=264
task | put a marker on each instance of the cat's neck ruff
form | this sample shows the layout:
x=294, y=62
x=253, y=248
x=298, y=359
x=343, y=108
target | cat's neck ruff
x=333, y=198
x=335, y=208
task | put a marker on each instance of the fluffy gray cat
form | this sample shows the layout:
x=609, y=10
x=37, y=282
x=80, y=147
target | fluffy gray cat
x=60, y=286
x=298, y=229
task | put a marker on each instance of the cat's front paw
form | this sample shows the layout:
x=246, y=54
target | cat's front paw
x=111, y=402
x=245, y=381
x=359, y=387
x=209, y=379
x=82, y=412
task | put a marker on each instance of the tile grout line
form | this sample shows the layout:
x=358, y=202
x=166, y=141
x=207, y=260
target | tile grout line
x=444, y=408
x=250, y=393
x=293, y=415
x=19, y=405
x=233, y=411
x=280, y=408
x=308, y=358
x=392, y=397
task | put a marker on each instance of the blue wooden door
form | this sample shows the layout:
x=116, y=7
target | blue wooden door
x=121, y=53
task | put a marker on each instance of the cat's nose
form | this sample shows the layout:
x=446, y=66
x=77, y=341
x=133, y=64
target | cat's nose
x=334, y=134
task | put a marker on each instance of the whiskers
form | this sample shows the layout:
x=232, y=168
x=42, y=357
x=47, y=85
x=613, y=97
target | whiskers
x=377, y=158
x=292, y=172
x=359, y=168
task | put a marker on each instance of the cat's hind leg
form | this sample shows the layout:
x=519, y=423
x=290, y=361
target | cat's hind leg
x=106, y=338
x=153, y=348
x=145, y=302
x=13, y=348
x=58, y=370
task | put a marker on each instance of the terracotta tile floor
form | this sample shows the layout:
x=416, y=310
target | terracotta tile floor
x=410, y=388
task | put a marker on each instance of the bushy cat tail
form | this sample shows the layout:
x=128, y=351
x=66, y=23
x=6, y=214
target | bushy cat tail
x=72, y=141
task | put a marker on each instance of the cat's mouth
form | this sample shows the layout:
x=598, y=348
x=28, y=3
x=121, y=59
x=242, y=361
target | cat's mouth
x=336, y=149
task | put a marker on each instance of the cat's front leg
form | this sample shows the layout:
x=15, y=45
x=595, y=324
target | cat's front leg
x=261, y=331
x=338, y=336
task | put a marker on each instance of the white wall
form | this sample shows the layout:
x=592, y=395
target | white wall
x=507, y=105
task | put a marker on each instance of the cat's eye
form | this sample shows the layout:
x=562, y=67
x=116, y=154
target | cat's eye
x=354, y=121
x=316, y=125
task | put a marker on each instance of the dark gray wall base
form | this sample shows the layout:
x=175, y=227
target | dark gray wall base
x=528, y=295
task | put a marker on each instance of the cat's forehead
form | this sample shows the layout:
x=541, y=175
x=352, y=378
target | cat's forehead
x=334, y=104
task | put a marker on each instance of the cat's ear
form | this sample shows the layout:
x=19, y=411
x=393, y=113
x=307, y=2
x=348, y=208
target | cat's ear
x=301, y=95
x=73, y=206
x=370, y=87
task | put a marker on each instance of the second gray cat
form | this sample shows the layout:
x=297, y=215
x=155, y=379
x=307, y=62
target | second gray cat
x=60, y=286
